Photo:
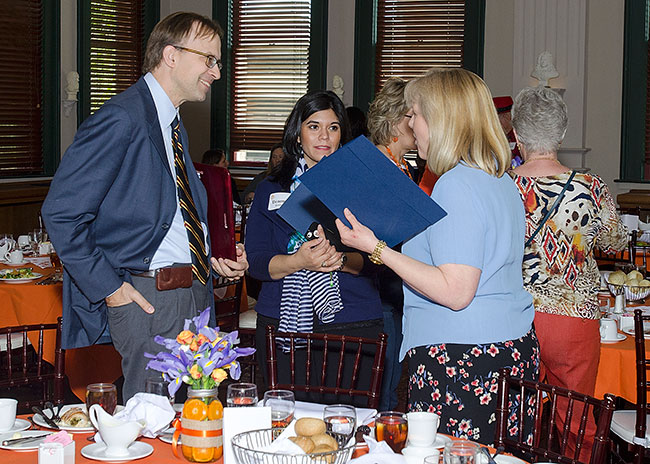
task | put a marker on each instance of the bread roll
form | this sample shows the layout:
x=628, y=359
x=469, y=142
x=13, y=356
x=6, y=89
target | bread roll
x=324, y=439
x=310, y=426
x=324, y=459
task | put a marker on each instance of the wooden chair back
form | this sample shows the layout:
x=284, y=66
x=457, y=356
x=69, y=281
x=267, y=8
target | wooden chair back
x=328, y=348
x=24, y=366
x=540, y=449
x=642, y=385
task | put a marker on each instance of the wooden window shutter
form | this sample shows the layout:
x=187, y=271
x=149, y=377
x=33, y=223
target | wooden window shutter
x=415, y=35
x=270, y=69
x=21, y=73
x=116, y=47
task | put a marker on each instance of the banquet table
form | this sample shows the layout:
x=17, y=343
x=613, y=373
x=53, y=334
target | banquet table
x=162, y=452
x=28, y=303
x=616, y=370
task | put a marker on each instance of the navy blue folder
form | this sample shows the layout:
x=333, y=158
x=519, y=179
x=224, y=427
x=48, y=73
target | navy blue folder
x=360, y=177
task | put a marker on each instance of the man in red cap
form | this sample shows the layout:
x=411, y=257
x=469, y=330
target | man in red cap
x=503, y=106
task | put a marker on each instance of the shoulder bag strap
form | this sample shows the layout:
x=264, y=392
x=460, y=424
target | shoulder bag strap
x=550, y=211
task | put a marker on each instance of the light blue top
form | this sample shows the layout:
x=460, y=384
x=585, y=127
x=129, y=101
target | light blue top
x=484, y=228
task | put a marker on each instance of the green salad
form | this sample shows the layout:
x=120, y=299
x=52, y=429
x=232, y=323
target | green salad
x=22, y=273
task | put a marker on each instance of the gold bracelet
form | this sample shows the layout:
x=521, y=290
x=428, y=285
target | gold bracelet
x=375, y=257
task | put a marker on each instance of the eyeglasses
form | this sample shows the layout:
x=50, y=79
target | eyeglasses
x=210, y=60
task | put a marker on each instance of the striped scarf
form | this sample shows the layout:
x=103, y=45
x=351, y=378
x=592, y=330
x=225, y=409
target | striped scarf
x=306, y=292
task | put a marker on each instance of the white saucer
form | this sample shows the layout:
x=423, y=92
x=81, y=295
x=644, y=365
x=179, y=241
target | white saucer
x=97, y=451
x=619, y=338
x=439, y=442
x=19, y=426
x=630, y=331
x=23, y=262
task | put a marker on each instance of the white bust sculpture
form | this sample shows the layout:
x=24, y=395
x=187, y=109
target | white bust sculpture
x=544, y=69
x=72, y=86
x=337, y=86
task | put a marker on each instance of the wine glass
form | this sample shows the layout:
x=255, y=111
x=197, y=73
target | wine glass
x=283, y=405
x=341, y=422
x=103, y=394
x=158, y=386
x=392, y=427
x=461, y=452
x=241, y=394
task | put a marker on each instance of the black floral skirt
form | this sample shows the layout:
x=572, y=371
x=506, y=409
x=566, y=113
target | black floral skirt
x=460, y=382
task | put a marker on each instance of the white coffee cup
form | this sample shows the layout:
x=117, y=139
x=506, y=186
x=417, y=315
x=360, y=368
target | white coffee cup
x=7, y=413
x=608, y=330
x=422, y=428
x=44, y=248
x=24, y=241
x=14, y=257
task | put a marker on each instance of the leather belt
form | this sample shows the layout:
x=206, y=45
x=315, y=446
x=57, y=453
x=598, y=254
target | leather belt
x=152, y=273
x=171, y=277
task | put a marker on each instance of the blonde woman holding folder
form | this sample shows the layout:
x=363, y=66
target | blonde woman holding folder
x=466, y=313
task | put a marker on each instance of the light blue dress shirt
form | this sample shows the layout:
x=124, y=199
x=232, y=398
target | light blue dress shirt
x=484, y=228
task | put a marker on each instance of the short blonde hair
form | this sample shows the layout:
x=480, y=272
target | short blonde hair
x=463, y=123
x=386, y=111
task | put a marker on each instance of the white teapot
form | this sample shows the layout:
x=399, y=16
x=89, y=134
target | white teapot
x=116, y=434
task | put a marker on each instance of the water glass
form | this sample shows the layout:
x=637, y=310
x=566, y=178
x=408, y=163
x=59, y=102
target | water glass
x=283, y=405
x=433, y=459
x=158, y=386
x=241, y=394
x=392, y=427
x=461, y=452
x=341, y=422
x=103, y=394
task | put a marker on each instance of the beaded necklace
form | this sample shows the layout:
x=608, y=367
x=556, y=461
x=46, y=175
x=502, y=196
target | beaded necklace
x=402, y=165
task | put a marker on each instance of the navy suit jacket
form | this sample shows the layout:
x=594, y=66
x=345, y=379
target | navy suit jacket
x=110, y=204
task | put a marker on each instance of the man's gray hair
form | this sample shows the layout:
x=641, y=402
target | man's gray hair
x=539, y=116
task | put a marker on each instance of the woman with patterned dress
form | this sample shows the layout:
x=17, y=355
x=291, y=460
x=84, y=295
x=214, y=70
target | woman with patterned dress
x=559, y=268
x=466, y=313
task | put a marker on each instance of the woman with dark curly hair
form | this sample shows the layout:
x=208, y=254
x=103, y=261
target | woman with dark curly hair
x=308, y=286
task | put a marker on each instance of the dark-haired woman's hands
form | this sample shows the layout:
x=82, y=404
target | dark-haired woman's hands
x=318, y=254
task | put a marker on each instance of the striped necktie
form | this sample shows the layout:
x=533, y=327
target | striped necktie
x=200, y=265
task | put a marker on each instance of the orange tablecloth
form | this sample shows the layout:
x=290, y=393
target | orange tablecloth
x=28, y=303
x=616, y=370
x=162, y=453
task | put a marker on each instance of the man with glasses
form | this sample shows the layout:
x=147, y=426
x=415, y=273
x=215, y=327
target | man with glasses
x=127, y=212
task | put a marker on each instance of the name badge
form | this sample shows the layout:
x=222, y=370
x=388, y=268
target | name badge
x=277, y=199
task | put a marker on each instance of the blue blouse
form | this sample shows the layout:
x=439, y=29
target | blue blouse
x=484, y=228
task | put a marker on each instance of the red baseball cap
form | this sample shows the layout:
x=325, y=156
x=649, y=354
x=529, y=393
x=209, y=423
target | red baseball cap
x=503, y=104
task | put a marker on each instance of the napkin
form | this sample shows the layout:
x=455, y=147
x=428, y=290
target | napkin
x=306, y=409
x=155, y=410
x=379, y=453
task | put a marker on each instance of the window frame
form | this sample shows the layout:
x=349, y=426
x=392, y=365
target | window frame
x=151, y=17
x=365, y=39
x=221, y=98
x=51, y=94
x=635, y=79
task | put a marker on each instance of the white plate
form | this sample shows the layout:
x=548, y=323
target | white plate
x=31, y=445
x=34, y=276
x=38, y=420
x=630, y=331
x=501, y=459
x=97, y=451
x=19, y=426
x=619, y=338
x=167, y=434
